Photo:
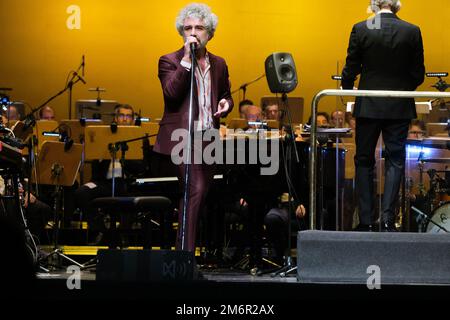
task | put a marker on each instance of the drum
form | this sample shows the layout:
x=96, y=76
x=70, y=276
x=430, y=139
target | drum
x=441, y=186
x=440, y=216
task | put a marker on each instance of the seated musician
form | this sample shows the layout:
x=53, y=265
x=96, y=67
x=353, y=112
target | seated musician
x=253, y=114
x=243, y=105
x=276, y=223
x=37, y=212
x=10, y=114
x=102, y=173
x=47, y=113
x=338, y=119
x=416, y=129
x=271, y=111
x=38, y=209
x=350, y=120
x=322, y=120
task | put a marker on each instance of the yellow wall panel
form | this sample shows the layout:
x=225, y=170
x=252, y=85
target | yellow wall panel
x=122, y=41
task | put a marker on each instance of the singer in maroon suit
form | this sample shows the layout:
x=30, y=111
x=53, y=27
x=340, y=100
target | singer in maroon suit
x=174, y=74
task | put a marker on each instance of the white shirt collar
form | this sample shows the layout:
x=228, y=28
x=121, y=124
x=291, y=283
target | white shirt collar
x=384, y=11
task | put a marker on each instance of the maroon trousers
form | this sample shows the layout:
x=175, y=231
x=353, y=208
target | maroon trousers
x=201, y=178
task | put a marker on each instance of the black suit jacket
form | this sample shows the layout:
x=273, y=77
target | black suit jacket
x=388, y=58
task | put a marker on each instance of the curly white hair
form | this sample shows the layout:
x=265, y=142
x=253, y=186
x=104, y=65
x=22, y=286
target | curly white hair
x=199, y=11
x=394, y=5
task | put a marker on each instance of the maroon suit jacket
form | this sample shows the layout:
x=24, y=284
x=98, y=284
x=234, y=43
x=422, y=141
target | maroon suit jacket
x=175, y=82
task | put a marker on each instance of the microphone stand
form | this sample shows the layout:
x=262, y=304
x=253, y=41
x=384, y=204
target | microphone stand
x=71, y=83
x=245, y=85
x=288, y=265
x=30, y=119
x=187, y=158
x=123, y=147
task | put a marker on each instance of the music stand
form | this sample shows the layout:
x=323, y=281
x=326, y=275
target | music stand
x=273, y=124
x=151, y=128
x=75, y=130
x=98, y=139
x=77, y=127
x=238, y=123
x=41, y=128
x=58, y=165
x=96, y=109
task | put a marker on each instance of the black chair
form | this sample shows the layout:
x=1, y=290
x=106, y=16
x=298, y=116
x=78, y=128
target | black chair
x=117, y=207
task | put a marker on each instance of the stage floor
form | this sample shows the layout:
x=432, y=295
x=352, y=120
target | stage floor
x=217, y=276
x=224, y=285
x=225, y=293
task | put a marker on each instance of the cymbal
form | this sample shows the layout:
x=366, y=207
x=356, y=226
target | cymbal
x=95, y=101
x=436, y=160
x=439, y=102
x=428, y=143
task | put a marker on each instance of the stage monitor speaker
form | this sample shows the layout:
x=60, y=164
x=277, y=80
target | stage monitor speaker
x=145, y=266
x=353, y=257
x=281, y=74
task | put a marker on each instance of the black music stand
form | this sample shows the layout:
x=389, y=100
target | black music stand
x=58, y=166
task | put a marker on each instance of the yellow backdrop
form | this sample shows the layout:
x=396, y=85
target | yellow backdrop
x=122, y=41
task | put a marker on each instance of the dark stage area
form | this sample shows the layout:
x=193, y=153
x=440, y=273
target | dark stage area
x=221, y=289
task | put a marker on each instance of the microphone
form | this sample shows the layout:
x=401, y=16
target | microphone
x=113, y=127
x=82, y=66
x=244, y=86
x=68, y=144
x=193, y=46
x=138, y=121
x=79, y=77
x=64, y=137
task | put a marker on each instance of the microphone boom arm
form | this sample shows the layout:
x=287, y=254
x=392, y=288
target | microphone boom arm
x=245, y=85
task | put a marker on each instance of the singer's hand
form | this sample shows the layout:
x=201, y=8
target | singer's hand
x=300, y=212
x=187, y=47
x=222, y=108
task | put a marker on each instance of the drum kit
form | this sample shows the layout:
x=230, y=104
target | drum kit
x=435, y=169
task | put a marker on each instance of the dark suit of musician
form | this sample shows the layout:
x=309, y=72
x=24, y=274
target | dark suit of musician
x=213, y=86
x=388, y=57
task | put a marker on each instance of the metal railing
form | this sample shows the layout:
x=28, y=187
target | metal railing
x=348, y=93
